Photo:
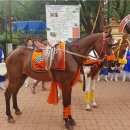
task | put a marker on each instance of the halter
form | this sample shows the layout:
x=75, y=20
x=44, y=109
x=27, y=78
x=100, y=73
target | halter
x=103, y=44
x=107, y=57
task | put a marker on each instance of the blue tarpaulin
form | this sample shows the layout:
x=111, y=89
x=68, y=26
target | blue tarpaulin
x=30, y=27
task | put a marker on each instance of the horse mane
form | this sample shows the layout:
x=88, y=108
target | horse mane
x=78, y=39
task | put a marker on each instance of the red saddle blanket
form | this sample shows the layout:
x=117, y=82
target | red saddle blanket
x=38, y=63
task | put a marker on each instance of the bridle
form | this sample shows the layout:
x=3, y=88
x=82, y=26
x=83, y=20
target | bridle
x=118, y=49
x=104, y=50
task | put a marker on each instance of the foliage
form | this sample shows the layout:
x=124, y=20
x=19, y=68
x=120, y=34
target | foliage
x=18, y=36
x=4, y=38
x=119, y=9
x=35, y=10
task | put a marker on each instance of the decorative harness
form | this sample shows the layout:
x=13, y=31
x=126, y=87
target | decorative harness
x=120, y=60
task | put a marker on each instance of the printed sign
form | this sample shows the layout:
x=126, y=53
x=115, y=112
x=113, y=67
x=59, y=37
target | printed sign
x=63, y=21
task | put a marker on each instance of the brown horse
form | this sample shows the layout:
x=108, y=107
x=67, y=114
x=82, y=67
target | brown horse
x=18, y=69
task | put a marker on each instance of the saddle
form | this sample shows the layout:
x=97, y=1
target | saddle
x=45, y=58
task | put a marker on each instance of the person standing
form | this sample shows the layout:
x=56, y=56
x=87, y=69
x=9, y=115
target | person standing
x=2, y=78
x=127, y=66
x=114, y=71
x=104, y=71
x=29, y=45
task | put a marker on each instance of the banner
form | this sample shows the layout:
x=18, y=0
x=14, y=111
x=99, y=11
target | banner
x=63, y=21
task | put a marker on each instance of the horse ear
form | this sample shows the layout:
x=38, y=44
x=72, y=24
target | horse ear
x=108, y=31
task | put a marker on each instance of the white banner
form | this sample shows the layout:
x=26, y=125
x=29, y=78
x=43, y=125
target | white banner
x=63, y=21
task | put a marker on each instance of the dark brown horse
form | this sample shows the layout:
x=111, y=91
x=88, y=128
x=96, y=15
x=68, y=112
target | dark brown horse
x=18, y=69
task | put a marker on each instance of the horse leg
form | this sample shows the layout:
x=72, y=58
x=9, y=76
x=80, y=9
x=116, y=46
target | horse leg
x=43, y=86
x=12, y=88
x=8, y=93
x=66, y=94
x=87, y=93
x=34, y=86
x=71, y=120
x=19, y=85
x=92, y=94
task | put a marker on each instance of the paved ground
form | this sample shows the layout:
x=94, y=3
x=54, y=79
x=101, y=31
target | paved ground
x=113, y=113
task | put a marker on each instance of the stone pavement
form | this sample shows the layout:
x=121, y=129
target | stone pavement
x=113, y=99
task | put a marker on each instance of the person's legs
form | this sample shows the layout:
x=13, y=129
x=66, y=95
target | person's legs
x=98, y=77
x=116, y=76
x=44, y=88
x=105, y=77
x=124, y=76
x=112, y=76
x=129, y=75
x=2, y=85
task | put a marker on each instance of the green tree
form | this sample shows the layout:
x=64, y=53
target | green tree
x=119, y=9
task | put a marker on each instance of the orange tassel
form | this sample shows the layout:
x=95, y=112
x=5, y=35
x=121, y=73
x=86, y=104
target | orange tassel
x=53, y=95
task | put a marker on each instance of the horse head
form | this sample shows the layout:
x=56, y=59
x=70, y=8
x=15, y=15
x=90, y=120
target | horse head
x=103, y=46
x=120, y=49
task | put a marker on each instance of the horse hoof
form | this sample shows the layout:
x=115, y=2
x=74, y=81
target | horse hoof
x=18, y=112
x=68, y=126
x=88, y=109
x=11, y=120
x=95, y=106
x=33, y=90
x=72, y=122
x=44, y=89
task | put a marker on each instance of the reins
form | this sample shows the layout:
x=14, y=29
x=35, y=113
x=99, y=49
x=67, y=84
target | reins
x=76, y=54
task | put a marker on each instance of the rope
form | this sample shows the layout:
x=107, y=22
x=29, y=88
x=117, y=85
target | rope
x=79, y=55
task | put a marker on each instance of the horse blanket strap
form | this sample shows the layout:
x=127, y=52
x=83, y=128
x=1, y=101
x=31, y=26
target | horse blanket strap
x=41, y=62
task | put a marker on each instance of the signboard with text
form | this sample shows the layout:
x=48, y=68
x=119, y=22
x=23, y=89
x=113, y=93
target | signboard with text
x=63, y=21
